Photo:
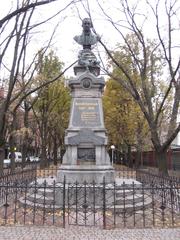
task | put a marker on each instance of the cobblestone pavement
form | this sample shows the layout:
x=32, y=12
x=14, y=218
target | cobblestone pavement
x=85, y=233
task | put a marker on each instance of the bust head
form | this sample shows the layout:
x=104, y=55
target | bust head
x=87, y=38
x=86, y=24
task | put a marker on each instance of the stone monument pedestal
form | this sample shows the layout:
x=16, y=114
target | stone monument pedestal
x=88, y=174
x=86, y=158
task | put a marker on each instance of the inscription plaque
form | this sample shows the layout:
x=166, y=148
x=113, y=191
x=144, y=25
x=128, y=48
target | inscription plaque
x=86, y=154
x=86, y=113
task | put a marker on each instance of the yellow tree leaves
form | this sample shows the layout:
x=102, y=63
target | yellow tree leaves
x=123, y=117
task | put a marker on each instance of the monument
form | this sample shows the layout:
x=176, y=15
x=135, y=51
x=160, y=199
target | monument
x=86, y=158
x=86, y=163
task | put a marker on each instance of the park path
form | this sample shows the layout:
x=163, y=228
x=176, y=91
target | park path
x=85, y=233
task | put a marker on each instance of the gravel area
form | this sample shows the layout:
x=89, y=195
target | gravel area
x=85, y=233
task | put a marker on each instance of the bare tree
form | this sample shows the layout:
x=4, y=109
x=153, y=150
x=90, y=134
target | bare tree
x=129, y=20
x=16, y=30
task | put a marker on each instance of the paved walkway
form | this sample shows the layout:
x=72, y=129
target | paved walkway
x=85, y=233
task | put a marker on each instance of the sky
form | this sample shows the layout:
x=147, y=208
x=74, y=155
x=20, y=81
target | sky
x=70, y=25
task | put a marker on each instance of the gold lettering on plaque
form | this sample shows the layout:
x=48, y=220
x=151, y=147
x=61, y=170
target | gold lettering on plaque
x=86, y=104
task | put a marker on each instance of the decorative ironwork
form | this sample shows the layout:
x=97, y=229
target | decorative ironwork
x=31, y=200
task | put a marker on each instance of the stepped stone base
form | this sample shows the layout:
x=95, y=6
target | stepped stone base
x=124, y=199
x=85, y=173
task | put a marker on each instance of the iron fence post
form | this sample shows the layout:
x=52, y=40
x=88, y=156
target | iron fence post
x=6, y=205
x=25, y=203
x=76, y=196
x=172, y=201
x=53, y=201
x=153, y=202
x=34, y=205
x=143, y=207
x=85, y=203
x=124, y=204
x=134, y=212
x=94, y=202
x=64, y=202
x=15, y=202
x=104, y=203
x=114, y=202
x=44, y=201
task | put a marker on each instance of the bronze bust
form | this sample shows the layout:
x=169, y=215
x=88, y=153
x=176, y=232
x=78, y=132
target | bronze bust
x=86, y=39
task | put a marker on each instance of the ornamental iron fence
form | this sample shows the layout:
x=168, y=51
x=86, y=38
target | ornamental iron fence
x=33, y=200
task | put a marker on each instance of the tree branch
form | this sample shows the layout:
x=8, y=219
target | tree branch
x=23, y=9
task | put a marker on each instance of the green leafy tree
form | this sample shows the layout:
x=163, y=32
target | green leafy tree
x=58, y=119
x=51, y=107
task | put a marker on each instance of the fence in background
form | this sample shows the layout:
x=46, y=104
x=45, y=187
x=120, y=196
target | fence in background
x=173, y=159
x=19, y=175
x=32, y=170
x=125, y=172
x=148, y=158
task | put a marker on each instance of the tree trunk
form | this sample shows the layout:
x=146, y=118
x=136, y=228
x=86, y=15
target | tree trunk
x=12, y=154
x=130, y=160
x=12, y=141
x=2, y=156
x=160, y=152
x=24, y=153
x=26, y=137
x=138, y=158
x=55, y=152
x=161, y=158
x=43, y=161
x=2, y=136
x=13, y=164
